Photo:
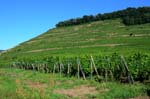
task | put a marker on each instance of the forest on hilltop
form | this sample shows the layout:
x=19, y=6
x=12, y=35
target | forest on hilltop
x=129, y=16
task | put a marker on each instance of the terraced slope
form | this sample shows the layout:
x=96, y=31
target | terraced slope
x=103, y=37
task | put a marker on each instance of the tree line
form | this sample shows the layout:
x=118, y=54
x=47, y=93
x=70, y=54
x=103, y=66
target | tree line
x=130, y=16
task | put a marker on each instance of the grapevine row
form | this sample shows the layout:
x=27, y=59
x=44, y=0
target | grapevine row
x=102, y=68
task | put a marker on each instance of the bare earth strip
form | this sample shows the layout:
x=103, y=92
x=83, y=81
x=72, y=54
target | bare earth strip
x=36, y=85
x=88, y=46
x=141, y=97
x=80, y=91
x=40, y=50
x=90, y=40
x=33, y=41
x=136, y=35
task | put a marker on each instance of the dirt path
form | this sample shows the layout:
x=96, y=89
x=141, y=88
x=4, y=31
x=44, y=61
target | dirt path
x=141, y=97
x=86, y=46
x=80, y=91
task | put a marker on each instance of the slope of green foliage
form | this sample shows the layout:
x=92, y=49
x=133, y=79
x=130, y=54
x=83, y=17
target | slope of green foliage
x=101, y=37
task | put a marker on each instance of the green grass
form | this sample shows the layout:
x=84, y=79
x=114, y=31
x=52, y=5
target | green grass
x=20, y=84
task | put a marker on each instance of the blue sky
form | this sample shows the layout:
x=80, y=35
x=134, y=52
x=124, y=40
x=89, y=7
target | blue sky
x=21, y=20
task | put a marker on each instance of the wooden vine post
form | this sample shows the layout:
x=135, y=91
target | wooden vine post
x=92, y=60
x=47, y=70
x=78, y=73
x=80, y=69
x=91, y=72
x=130, y=78
x=68, y=71
x=106, y=75
x=82, y=72
x=111, y=74
x=33, y=68
x=38, y=67
x=54, y=68
x=60, y=67
x=43, y=67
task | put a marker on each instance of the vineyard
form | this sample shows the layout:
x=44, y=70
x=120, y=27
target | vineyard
x=100, y=56
x=114, y=67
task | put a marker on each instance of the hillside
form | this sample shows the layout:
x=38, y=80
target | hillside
x=100, y=56
x=101, y=37
x=92, y=60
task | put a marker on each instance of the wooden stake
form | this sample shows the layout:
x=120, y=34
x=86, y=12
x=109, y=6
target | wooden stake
x=130, y=78
x=54, y=68
x=106, y=75
x=38, y=67
x=46, y=66
x=111, y=74
x=78, y=67
x=33, y=67
x=82, y=72
x=94, y=66
x=43, y=68
x=112, y=77
x=60, y=66
x=68, y=71
x=91, y=76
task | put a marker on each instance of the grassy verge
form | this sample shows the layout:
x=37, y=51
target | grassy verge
x=20, y=84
